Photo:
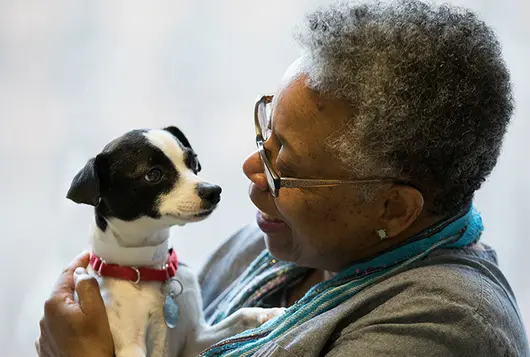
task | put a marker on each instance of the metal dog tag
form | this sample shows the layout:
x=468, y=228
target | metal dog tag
x=171, y=312
x=171, y=309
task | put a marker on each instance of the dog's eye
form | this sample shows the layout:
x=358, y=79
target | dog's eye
x=153, y=175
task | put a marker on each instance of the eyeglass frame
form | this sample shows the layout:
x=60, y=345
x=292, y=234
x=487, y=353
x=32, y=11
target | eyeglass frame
x=275, y=181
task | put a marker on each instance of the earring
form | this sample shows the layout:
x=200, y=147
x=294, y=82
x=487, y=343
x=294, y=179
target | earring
x=382, y=233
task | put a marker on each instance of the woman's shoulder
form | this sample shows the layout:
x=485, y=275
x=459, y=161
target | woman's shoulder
x=459, y=296
x=469, y=277
x=454, y=302
x=455, y=274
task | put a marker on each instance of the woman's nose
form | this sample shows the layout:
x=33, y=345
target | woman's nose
x=253, y=169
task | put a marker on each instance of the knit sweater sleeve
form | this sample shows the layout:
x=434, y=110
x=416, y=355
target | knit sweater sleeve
x=227, y=263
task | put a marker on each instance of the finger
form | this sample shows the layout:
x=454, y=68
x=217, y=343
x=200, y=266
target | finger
x=81, y=260
x=64, y=285
x=88, y=292
x=42, y=350
x=45, y=345
x=39, y=350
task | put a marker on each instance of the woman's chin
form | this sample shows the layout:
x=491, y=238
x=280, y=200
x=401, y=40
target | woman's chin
x=280, y=246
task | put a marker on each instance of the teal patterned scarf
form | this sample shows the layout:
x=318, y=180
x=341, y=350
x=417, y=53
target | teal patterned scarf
x=266, y=275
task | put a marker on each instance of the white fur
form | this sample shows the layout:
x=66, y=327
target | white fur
x=182, y=202
x=135, y=310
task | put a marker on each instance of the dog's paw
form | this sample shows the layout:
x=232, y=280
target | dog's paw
x=252, y=317
x=269, y=314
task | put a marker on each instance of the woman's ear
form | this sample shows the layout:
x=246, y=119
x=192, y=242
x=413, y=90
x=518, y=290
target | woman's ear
x=402, y=208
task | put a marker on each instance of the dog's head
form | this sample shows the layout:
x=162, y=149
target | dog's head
x=146, y=175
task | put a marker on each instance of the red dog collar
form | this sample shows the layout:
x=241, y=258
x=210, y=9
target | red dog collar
x=135, y=274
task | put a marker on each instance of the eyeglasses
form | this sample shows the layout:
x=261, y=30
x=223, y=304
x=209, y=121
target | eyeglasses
x=262, y=121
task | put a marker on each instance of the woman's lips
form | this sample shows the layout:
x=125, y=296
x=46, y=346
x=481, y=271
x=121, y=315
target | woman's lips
x=269, y=224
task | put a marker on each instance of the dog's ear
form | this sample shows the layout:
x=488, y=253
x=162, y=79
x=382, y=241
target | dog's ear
x=86, y=185
x=182, y=138
x=179, y=135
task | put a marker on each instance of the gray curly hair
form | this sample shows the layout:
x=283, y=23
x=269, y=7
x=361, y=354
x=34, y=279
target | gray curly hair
x=429, y=92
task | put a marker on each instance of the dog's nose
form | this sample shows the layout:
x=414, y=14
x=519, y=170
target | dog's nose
x=210, y=194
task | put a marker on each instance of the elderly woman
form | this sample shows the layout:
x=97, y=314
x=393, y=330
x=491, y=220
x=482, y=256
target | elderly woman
x=368, y=157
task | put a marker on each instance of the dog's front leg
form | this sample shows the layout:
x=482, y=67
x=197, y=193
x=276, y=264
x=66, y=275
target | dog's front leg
x=128, y=335
x=241, y=320
x=127, y=325
x=199, y=334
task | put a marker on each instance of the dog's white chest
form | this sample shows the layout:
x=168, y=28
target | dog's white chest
x=135, y=313
x=136, y=298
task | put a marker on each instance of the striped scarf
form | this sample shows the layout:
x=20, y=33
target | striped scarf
x=266, y=275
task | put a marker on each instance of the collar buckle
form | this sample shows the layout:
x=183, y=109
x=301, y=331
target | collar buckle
x=138, y=277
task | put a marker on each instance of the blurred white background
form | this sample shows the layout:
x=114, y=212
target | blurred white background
x=75, y=74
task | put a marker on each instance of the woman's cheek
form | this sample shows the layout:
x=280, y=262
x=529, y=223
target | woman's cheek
x=300, y=212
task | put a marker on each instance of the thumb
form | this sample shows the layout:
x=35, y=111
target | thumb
x=64, y=287
x=87, y=289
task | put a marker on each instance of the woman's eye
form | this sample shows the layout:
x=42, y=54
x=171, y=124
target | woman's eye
x=153, y=175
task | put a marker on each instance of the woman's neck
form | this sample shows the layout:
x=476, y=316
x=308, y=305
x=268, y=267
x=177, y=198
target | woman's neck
x=316, y=276
x=313, y=278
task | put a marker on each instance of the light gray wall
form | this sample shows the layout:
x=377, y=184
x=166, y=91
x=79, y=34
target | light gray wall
x=75, y=74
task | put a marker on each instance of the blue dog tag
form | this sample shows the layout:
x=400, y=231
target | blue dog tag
x=171, y=312
x=171, y=309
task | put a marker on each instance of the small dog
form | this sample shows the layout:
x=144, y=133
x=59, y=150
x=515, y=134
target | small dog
x=141, y=184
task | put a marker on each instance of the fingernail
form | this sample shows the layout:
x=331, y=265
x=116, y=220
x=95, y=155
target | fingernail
x=80, y=271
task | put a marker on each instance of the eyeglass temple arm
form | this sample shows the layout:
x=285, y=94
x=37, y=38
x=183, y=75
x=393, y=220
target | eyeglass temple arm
x=294, y=182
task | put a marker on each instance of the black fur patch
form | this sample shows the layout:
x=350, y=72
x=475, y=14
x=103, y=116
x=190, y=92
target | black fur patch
x=125, y=192
x=192, y=162
x=126, y=180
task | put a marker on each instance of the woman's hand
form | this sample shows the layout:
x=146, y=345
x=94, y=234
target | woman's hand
x=71, y=328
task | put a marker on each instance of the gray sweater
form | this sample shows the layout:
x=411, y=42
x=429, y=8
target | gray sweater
x=455, y=302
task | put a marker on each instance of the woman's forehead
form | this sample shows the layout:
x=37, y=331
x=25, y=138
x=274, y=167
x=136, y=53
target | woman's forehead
x=298, y=108
x=293, y=109
x=303, y=121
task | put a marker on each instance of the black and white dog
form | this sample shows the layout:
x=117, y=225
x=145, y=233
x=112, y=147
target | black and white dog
x=141, y=184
